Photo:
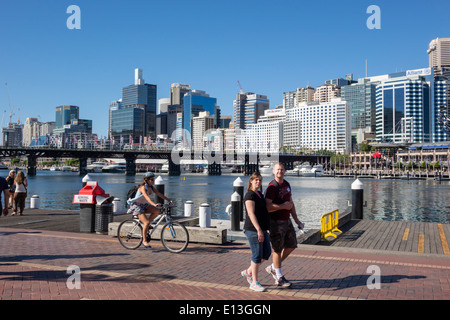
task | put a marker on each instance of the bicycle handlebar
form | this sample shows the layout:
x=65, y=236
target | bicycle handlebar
x=167, y=205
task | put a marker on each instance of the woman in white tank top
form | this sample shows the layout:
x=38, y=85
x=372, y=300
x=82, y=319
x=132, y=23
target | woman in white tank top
x=20, y=194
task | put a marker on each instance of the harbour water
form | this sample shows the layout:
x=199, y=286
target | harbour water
x=414, y=200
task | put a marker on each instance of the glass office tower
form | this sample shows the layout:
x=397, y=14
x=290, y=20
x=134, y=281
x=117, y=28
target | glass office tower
x=65, y=115
x=126, y=122
x=405, y=107
x=360, y=99
x=140, y=96
x=195, y=102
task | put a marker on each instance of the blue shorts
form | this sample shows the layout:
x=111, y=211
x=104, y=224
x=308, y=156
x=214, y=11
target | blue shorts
x=260, y=250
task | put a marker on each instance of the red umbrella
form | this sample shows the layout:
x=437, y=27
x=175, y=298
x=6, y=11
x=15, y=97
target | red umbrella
x=376, y=155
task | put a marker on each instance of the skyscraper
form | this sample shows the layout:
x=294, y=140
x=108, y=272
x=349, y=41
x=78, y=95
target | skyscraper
x=197, y=101
x=439, y=54
x=360, y=98
x=65, y=115
x=139, y=95
x=405, y=108
x=248, y=107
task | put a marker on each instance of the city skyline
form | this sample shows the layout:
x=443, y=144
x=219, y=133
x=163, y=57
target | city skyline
x=269, y=47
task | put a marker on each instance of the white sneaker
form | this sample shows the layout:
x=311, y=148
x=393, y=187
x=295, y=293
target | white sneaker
x=247, y=276
x=270, y=271
x=256, y=286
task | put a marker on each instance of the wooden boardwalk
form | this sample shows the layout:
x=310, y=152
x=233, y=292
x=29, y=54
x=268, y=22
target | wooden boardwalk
x=403, y=236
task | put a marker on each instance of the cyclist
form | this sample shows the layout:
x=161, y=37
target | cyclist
x=141, y=204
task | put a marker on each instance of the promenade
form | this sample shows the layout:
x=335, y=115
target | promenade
x=34, y=261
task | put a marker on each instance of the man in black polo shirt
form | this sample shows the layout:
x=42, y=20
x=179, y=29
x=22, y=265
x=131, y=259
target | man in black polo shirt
x=282, y=233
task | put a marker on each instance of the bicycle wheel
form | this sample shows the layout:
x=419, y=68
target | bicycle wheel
x=130, y=234
x=174, y=237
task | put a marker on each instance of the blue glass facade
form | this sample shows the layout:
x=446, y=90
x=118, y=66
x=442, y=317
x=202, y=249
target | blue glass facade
x=65, y=115
x=143, y=96
x=405, y=109
x=193, y=104
x=126, y=122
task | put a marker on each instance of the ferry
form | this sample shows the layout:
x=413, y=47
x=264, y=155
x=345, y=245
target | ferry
x=96, y=166
x=115, y=168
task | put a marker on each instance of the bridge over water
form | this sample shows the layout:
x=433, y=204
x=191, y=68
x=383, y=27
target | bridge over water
x=250, y=160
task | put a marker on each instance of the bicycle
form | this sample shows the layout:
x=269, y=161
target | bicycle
x=174, y=235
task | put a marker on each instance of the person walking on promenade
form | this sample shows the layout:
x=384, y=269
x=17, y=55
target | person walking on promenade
x=4, y=187
x=20, y=193
x=282, y=234
x=141, y=204
x=12, y=186
x=255, y=228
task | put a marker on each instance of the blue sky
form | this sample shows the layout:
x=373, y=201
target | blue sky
x=269, y=46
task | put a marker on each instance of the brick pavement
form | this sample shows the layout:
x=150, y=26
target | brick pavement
x=33, y=266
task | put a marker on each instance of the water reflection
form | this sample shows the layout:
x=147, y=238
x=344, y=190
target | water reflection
x=415, y=200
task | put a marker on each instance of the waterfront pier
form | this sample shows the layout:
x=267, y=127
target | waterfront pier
x=250, y=161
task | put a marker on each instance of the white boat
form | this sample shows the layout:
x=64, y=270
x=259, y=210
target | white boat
x=164, y=168
x=318, y=170
x=226, y=169
x=3, y=167
x=115, y=168
x=308, y=171
x=54, y=168
x=96, y=166
x=66, y=169
x=265, y=170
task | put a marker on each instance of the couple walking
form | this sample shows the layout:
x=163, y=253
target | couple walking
x=270, y=212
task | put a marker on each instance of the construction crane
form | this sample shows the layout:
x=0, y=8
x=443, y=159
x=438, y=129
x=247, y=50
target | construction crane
x=240, y=88
x=11, y=110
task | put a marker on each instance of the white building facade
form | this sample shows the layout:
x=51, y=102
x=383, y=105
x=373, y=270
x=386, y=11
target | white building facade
x=323, y=126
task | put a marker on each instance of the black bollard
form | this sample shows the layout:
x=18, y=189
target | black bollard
x=238, y=186
x=357, y=199
x=159, y=185
x=235, y=207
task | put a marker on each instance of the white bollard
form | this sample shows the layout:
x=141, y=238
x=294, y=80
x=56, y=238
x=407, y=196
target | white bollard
x=159, y=185
x=188, y=208
x=35, y=202
x=116, y=205
x=204, y=215
x=85, y=179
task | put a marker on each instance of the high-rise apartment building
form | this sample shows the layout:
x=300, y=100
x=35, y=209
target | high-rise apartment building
x=200, y=125
x=291, y=99
x=248, y=107
x=305, y=94
x=326, y=92
x=439, y=55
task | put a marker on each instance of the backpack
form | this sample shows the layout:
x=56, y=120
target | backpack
x=133, y=190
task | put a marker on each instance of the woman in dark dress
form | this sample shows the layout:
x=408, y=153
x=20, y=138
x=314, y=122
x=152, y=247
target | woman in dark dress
x=255, y=228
